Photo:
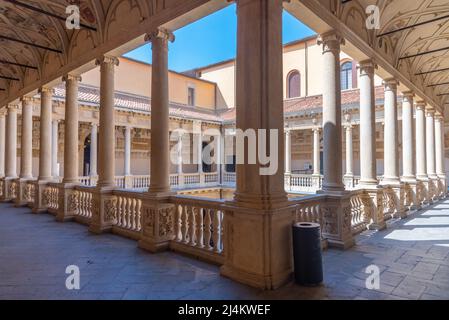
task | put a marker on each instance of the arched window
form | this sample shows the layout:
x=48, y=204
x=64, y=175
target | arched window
x=346, y=76
x=294, y=84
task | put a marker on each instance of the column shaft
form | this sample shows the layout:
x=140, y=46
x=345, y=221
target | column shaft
x=127, y=160
x=288, y=152
x=421, y=167
x=93, y=150
x=26, y=144
x=160, y=144
x=349, y=151
x=11, y=142
x=439, y=146
x=179, y=151
x=391, y=141
x=408, y=155
x=71, y=145
x=54, y=148
x=332, y=153
x=430, y=143
x=367, y=125
x=45, y=135
x=316, y=151
x=106, y=167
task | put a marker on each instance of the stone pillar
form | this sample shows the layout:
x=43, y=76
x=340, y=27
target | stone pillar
x=439, y=156
x=45, y=135
x=8, y=190
x=391, y=141
x=26, y=144
x=93, y=150
x=332, y=151
x=198, y=135
x=421, y=166
x=103, y=201
x=26, y=151
x=158, y=214
x=316, y=176
x=127, y=157
x=408, y=154
x=349, y=175
x=179, y=169
x=288, y=155
x=54, y=149
x=67, y=196
x=430, y=153
x=368, y=176
x=2, y=142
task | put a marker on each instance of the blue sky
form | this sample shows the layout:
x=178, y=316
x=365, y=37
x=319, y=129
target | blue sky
x=213, y=39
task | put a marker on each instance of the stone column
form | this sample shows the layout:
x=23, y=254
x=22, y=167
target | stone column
x=54, y=148
x=179, y=169
x=391, y=147
x=439, y=155
x=8, y=190
x=26, y=144
x=430, y=153
x=367, y=126
x=349, y=175
x=26, y=151
x=93, y=150
x=408, y=154
x=288, y=155
x=421, y=166
x=67, y=196
x=103, y=201
x=332, y=151
x=2, y=142
x=316, y=176
x=391, y=141
x=368, y=176
x=45, y=135
x=127, y=157
x=158, y=221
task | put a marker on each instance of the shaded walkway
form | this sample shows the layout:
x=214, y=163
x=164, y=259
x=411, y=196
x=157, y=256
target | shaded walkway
x=413, y=257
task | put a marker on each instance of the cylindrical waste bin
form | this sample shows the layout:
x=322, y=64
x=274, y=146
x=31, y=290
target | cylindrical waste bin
x=307, y=254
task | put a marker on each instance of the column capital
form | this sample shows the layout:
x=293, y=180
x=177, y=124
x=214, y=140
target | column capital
x=107, y=60
x=367, y=67
x=94, y=124
x=408, y=95
x=26, y=99
x=160, y=33
x=48, y=90
x=3, y=112
x=12, y=107
x=430, y=112
x=439, y=117
x=421, y=105
x=71, y=77
x=331, y=41
x=391, y=84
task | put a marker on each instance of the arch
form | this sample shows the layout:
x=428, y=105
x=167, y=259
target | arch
x=346, y=75
x=293, y=84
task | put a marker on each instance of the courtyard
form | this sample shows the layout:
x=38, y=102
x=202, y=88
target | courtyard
x=412, y=255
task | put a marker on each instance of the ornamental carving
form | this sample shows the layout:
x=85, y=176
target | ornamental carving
x=166, y=221
x=12, y=190
x=110, y=210
x=72, y=202
x=330, y=221
x=347, y=219
x=46, y=197
x=149, y=220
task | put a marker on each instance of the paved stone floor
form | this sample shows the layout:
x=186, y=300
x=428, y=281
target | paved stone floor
x=412, y=254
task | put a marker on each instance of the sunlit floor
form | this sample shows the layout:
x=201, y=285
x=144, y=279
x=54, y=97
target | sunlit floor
x=412, y=256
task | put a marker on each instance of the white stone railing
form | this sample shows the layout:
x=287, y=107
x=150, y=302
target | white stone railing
x=360, y=211
x=174, y=180
x=50, y=197
x=128, y=213
x=211, y=178
x=191, y=179
x=85, y=181
x=199, y=227
x=83, y=212
x=140, y=182
x=120, y=182
x=229, y=178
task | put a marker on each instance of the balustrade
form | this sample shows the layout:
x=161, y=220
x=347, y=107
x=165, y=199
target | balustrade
x=128, y=213
x=51, y=197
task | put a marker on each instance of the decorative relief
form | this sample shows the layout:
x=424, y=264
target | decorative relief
x=149, y=221
x=46, y=197
x=330, y=221
x=72, y=202
x=166, y=221
x=110, y=210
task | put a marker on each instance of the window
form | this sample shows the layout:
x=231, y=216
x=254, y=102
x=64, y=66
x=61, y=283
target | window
x=294, y=84
x=191, y=96
x=346, y=76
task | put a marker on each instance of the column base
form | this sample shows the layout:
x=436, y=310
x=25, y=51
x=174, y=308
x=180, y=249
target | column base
x=258, y=245
x=67, y=202
x=158, y=223
x=348, y=180
x=104, y=206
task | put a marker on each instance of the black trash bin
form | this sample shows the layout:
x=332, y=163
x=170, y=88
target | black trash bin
x=307, y=254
